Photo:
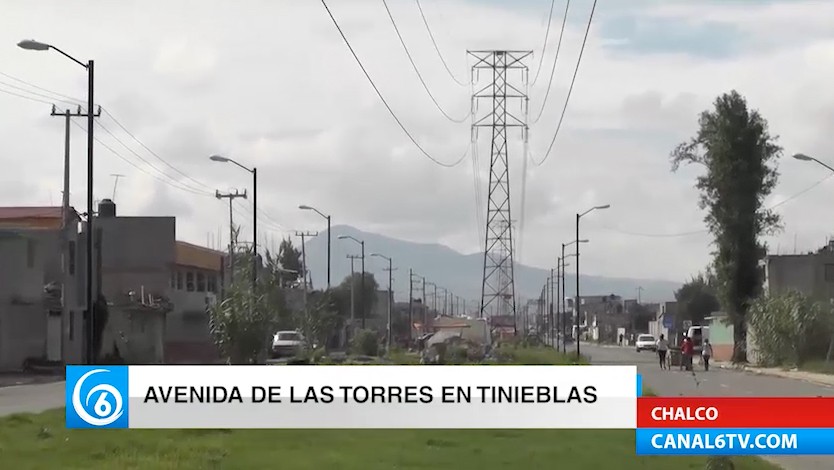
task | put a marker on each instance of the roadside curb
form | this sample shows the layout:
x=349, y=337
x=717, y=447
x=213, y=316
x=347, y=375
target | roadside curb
x=817, y=379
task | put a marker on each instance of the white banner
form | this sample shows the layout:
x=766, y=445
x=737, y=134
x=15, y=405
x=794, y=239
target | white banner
x=353, y=397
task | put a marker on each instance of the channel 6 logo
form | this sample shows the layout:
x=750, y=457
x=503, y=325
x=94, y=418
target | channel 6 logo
x=96, y=397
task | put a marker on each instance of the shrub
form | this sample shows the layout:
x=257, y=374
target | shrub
x=365, y=343
x=790, y=329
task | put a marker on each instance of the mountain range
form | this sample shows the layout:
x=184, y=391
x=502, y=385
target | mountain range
x=459, y=273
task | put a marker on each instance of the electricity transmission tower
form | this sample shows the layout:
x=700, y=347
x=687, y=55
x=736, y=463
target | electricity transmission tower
x=498, y=285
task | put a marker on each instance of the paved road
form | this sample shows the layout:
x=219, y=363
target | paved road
x=31, y=398
x=716, y=382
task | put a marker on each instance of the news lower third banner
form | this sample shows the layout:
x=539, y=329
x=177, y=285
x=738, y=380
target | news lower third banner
x=735, y=426
x=352, y=397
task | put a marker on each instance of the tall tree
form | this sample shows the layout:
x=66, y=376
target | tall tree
x=289, y=258
x=696, y=299
x=738, y=153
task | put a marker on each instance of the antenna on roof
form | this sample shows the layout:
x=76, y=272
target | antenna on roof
x=115, y=183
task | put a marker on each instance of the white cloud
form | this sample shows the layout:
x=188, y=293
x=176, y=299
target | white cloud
x=273, y=85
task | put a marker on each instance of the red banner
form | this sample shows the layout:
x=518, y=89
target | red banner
x=735, y=412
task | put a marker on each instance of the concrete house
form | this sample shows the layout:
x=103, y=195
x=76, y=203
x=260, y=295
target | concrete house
x=157, y=289
x=41, y=311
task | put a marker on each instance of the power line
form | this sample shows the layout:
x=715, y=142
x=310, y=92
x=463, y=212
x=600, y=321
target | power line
x=20, y=80
x=108, y=131
x=570, y=90
x=546, y=35
x=417, y=71
x=199, y=183
x=138, y=167
x=555, y=60
x=36, y=93
x=359, y=62
x=436, y=48
x=25, y=97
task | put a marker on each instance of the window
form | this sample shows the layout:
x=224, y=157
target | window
x=71, y=258
x=212, y=282
x=179, y=280
x=71, y=325
x=189, y=281
x=201, y=282
x=829, y=273
x=173, y=279
x=30, y=253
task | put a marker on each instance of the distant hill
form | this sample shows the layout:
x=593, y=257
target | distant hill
x=455, y=271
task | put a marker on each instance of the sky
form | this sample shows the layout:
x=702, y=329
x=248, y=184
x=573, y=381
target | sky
x=273, y=85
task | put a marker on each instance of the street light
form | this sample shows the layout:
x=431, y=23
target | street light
x=578, y=241
x=254, y=171
x=390, y=297
x=309, y=208
x=362, y=280
x=564, y=292
x=806, y=158
x=32, y=45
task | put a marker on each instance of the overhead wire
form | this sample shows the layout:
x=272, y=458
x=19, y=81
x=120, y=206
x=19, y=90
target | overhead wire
x=544, y=46
x=436, y=48
x=172, y=183
x=12, y=93
x=36, y=93
x=555, y=61
x=379, y=94
x=161, y=176
x=156, y=155
x=702, y=231
x=147, y=162
x=570, y=90
x=20, y=80
x=417, y=70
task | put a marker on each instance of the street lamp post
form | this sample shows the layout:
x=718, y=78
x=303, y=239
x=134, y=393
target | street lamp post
x=33, y=45
x=362, y=280
x=564, y=292
x=579, y=216
x=254, y=171
x=806, y=158
x=310, y=208
x=390, y=298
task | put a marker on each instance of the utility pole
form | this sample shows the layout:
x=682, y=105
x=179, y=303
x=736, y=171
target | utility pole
x=498, y=285
x=425, y=306
x=352, y=259
x=67, y=227
x=558, y=281
x=550, y=282
x=303, y=236
x=231, y=197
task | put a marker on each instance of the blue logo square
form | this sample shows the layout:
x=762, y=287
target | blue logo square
x=97, y=397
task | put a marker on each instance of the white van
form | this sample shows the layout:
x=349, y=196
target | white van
x=698, y=334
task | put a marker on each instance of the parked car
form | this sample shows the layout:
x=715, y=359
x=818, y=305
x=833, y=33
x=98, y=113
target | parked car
x=287, y=344
x=646, y=343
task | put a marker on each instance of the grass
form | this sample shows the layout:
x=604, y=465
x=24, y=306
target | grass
x=41, y=441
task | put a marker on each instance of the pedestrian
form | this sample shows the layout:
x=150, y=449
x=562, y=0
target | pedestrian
x=621, y=339
x=662, y=350
x=706, y=353
x=686, y=353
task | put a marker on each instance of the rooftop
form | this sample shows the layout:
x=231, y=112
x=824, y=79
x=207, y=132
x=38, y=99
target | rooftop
x=33, y=217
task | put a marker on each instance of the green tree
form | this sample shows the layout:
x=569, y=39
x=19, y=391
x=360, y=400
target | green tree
x=697, y=300
x=341, y=295
x=790, y=328
x=243, y=323
x=289, y=257
x=735, y=148
x=319, y=320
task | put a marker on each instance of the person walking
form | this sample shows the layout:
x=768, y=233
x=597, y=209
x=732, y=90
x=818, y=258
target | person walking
x=706, y=353
x=686, y=353
x=662, y=350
